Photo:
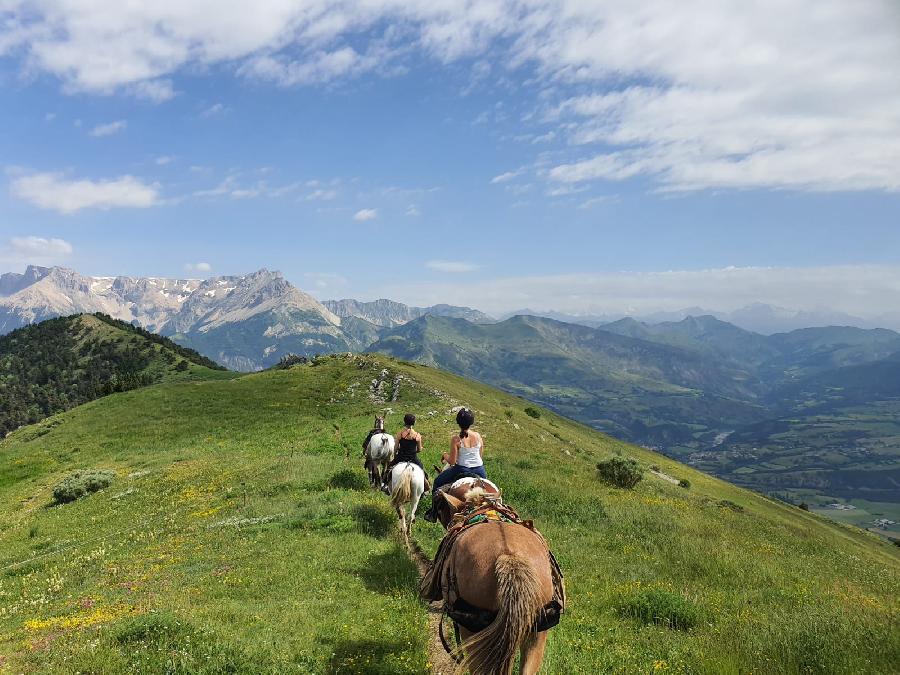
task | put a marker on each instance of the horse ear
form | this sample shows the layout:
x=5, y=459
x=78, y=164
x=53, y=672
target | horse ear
x=455, y=504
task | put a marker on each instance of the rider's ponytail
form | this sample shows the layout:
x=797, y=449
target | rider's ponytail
x=465, y=418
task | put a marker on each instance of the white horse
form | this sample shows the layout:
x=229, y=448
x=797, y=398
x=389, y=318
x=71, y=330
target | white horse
x=407, y=486
x=379, y=453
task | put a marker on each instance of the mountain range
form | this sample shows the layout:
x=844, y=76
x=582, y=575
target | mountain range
x=757, y=317
x=245, y=322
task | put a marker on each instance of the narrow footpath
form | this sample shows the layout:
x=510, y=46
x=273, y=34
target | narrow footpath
x=441, y=663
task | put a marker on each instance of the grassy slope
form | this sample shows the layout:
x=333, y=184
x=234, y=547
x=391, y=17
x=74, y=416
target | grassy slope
x=171, y=569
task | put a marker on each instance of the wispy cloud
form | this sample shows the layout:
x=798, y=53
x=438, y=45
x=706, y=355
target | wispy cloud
x=702, y=95
x=450, y=266
x=506, y=177
x=164, y=159
x=203, y=267
x=108, y=129
x=213, y=110
x=412, y=211
x=365, y=214
x=33, y=250
x=156, y=91
x=55, y=191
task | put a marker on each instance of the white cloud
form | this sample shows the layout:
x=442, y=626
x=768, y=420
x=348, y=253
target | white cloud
x=320, y=194
x=162, y=160
x=203, y=267
x=21, y=251
x=54, y=191
x=156, y=91
x=108, y=129
x=450, y=266
x=860, y=290
x=506, y=177
x=412, y=211
x=694, y=95
x=365, y=214
x=213, y=110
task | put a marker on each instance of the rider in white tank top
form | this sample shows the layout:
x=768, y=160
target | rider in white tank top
x=469, y=457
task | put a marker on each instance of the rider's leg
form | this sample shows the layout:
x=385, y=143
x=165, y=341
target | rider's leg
x=445, y=477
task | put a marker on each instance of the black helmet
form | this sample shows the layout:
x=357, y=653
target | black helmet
x=465, y=418
x=409, y=419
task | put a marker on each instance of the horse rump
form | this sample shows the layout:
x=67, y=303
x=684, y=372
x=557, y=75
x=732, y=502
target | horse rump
x=402, y=493
x=493, y=650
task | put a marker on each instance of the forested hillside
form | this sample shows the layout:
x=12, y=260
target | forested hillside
x=61, y=363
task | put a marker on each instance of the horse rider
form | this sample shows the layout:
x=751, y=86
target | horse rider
x=466, y=458
x=409, y=445
x=377, y=429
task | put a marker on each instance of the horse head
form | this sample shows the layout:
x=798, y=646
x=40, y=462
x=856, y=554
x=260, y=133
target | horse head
x=379, y=422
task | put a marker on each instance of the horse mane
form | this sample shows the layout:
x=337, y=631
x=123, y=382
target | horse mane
x=476, y=495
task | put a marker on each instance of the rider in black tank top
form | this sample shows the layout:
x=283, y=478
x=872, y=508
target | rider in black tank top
x=408, y=450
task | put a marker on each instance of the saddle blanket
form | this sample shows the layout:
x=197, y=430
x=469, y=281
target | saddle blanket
x=469, y=480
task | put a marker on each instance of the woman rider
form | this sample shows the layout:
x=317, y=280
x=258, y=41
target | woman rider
x=466, y=457
x=409, y=445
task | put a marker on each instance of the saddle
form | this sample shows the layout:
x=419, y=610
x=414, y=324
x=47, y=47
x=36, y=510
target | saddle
x=439, y=584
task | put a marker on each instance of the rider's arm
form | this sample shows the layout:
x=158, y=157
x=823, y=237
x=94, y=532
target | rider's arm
x=419, y=443
x=481, y=449
x=454, y=450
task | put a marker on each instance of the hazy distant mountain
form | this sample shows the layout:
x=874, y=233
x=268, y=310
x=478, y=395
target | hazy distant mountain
x=387, y=313
x=758, y=318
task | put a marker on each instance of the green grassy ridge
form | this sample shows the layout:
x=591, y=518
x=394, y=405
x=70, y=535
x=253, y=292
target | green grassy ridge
x=239, y=540
x=60, y=363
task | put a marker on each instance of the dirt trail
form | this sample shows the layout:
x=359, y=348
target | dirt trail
x=441, y=663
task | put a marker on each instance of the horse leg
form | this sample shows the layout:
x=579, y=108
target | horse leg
x=533, y=653
x=412, y=510
x=402, y=514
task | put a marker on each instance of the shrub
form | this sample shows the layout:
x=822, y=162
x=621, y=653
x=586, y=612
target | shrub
x=685, y=483
x=348, y=480
x=654, y=467
x=804, y=506
x=661, y=607
x=728, y=504
x=533, y=412
x=623, y=472
x=81, y=483
x=182, y=366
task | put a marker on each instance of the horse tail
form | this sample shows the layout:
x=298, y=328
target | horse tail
x=493, y=650
x=403, y=492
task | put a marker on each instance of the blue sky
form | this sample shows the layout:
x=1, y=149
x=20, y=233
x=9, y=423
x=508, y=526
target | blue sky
x=559, y=155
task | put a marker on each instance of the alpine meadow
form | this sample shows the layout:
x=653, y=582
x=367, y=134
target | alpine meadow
x=239, y=534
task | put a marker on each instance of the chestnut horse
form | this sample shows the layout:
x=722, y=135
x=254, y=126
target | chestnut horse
x=504, y=568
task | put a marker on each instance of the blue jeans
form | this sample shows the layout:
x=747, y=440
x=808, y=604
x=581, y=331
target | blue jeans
x=455, y=472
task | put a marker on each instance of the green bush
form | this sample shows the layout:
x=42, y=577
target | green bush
x=623, y=472
x=661, y=607
x=654, y=467
x=685, y=483
x=533, y=412
x=728, y=504
x=81, y=483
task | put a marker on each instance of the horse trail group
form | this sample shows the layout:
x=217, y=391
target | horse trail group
x=499, y=583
